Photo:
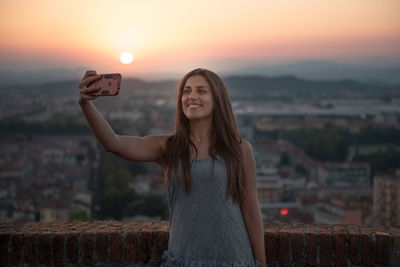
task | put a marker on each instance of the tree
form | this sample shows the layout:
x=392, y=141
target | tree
x=151, y=205
x=300, y=169
x=321, y=144
x=116, y=193
x=114, y=187
x=284, y=159
x=79, y=215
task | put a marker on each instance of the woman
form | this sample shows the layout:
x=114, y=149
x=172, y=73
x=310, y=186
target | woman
x=210, y=172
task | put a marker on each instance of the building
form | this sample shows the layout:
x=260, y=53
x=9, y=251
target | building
x=386, y=200
x=344, y=175
x=269, y=186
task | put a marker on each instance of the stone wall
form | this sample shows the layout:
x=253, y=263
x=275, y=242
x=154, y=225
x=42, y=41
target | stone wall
x=135, y=243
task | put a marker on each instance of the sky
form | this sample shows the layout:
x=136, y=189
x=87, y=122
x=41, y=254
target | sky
x=174, y=36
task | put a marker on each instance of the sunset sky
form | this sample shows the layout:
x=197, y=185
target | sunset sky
x=180, y=35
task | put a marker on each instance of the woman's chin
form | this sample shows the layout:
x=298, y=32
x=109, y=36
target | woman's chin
x=196, y=116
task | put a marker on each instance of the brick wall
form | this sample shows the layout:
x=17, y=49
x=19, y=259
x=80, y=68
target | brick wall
x=103, y=243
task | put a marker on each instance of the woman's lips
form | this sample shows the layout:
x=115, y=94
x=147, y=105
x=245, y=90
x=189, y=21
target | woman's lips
x=193, y=105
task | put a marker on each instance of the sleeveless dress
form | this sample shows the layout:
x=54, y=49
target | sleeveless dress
x=206, y=229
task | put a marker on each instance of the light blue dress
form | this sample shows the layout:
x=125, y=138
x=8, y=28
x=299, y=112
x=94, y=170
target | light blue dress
x=205, y=228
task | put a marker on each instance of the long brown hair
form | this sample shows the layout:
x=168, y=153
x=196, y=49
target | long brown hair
x=224, y=140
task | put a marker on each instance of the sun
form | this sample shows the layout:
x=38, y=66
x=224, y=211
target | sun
x=126, y=58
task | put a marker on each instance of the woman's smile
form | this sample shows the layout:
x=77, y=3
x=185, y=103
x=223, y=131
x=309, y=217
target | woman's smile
x=193, y=106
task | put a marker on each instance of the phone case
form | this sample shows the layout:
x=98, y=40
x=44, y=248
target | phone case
x=108, y=84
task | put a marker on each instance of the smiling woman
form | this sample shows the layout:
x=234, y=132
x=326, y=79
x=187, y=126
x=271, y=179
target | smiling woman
x=210, y=174
x=126, y=58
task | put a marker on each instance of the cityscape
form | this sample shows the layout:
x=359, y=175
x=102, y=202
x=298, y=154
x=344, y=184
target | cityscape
x=326, y=152
x=314, y=88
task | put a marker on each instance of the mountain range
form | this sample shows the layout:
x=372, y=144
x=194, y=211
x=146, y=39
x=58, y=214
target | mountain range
x=323, y=70
x=310, y=70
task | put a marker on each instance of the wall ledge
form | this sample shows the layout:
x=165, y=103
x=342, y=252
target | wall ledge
x=141, y=243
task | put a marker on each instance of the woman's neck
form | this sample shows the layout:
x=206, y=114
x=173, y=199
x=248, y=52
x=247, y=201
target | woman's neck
x=200, y=130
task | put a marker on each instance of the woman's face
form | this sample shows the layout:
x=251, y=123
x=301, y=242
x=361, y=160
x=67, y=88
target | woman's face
x=197, y=98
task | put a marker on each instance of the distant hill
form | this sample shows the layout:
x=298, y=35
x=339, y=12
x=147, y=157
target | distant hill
x=238, y=86
x=322, y=70
x=292, y=84
x=40, y=76
x=315, y=70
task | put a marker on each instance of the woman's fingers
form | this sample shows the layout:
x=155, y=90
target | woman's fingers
x=84, y=92
x=89, y=73
x=89, y=79
x=89, y=90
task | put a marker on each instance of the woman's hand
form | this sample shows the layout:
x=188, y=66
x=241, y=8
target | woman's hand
x=84, y=91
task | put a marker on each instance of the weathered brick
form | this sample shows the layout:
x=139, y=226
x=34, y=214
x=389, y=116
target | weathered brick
x=146, y=225
x=92, y=226
x=131, y=225
x=44, y=244
x=5, y=228
x=58, y=248
x=101, y=246
x=73, y=247
x=161, y=243
x=33, y=242
x=4, y=238
x=271, y=242
x=116, y=246
x=30, y=247
x=87, y=248
x=382, y=247
x=283, y=243
x=132, y=246
x=340, y=245
x=311, y=234
x=297, y=243
x=16, y=248
x=164, y=226
x=354, y=243
x=146, y=245
x=367, y=246
x=396, y=244
x=325, y=246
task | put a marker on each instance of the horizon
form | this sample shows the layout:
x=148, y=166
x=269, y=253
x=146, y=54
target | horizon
x=366, y=71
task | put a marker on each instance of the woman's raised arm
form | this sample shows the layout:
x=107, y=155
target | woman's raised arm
x=147, y=149
x=133, y=148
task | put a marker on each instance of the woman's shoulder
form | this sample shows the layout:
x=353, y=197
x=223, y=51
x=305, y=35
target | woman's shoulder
x=245, y=146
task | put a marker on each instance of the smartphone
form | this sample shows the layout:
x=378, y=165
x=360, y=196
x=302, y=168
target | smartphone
x=108, y=84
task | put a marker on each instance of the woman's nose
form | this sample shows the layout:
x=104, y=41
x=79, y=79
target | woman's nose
x=192, y=96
